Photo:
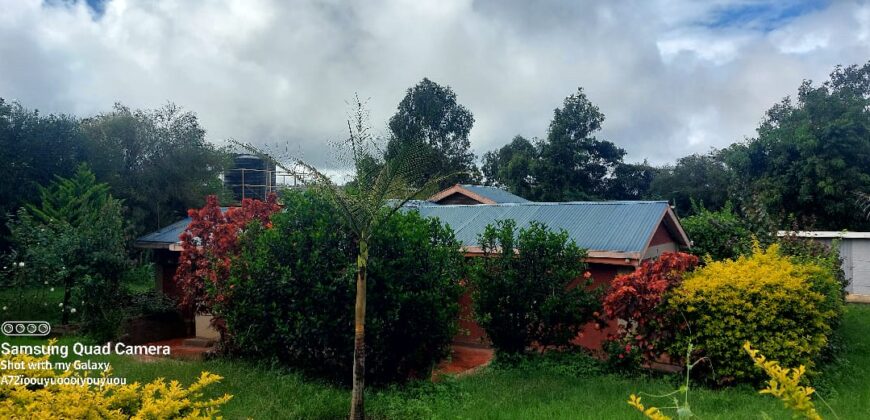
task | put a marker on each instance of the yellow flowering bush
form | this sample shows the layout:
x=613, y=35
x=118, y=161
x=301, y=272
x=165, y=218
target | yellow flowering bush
x=155, y=400
x=784, y=384
x=765, y=298
x=649, y=412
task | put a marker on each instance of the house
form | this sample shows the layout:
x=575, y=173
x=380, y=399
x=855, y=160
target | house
x=855, y=253
x=618, y=235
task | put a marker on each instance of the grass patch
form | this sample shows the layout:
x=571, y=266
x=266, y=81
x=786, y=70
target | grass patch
x=545, y=388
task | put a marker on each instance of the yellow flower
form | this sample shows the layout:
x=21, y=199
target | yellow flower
x=651, y=412
x=784, y=384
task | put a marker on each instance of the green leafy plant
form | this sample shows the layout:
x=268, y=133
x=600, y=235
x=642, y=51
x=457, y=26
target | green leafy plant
x=291, y=293
x=720, y=234
x=529, y=287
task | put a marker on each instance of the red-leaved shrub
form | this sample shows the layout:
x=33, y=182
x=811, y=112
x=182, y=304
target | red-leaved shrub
x=208, y=244
x=637, y=298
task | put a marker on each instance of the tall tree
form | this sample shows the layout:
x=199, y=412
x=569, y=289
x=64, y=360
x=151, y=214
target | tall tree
x=574, y=164
x=704, y=179
x=380, y=189
x=811, y=156
x=430, y=119
x=157, y=161
x=631, y=181
x=34, y=148
x=511, y=167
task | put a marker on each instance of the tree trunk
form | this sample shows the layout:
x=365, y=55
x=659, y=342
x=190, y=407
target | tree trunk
x=357, y=406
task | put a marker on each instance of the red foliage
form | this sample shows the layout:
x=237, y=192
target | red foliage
x=636, y=299
x=208, y=245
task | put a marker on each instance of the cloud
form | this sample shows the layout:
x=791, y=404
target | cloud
x=673, y=77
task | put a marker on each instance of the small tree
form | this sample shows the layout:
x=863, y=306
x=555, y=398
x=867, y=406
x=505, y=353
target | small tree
x=379, y=189
x=75, y=237
x=721, y=234
x=530, y=287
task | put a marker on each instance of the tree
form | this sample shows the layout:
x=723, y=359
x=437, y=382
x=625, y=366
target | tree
x=431, y=120
x=157, y=161
x=511, y=167
x=34, y=148
x=702, y=178
x=529, y=287
x=811, y=154
x=721, y=234
x=631, y=181
x=379, y=191
x=75, y=237
x=574, y=165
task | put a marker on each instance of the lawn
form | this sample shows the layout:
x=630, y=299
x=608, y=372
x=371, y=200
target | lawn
x=545, y=391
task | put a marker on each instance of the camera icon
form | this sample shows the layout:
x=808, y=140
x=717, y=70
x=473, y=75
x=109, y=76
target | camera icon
x=25, y=328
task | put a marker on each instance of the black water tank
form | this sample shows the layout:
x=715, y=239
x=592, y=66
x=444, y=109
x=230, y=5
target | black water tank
x=250, y=177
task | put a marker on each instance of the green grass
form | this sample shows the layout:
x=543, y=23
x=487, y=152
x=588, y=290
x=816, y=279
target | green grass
x=544, y=392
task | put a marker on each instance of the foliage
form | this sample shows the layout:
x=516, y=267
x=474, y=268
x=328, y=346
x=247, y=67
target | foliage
x=720, y=234
x=763, y=298
x=511, y=167
x=208, y=244
x=158, y=161
x=74, y=239
x=640, y=300
x=811, y=154
x=631, y=181
x=292, y=292
x=155, y=400
x=652, y=413
x=784, y=384
x=808, y=251
x=704, y=179
x=429, y=118
x=573, y=362
x=574, y=164
x=34, y=148
x=535, y=295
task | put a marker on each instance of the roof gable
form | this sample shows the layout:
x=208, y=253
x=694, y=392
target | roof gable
x=479, y=193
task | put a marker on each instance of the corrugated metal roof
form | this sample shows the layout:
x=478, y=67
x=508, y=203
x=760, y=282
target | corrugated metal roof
x=166, y=235
x=617, y=226
x=495, y=194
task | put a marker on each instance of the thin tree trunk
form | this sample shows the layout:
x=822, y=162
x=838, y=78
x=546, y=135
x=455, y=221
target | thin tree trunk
x=357, y=405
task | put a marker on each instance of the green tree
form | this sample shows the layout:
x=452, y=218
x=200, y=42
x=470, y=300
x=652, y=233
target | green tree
x=379, y=191
x=574, y=165
x=34, y=148
x=157, y=161
x=511, y=167
x=631, y=181
x=431, y=120
x=75, y=237
x=811, y=155
x=529, y=287
x=701, y=178
x=721, y=234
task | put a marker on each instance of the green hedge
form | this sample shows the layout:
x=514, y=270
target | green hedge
x=292, y=293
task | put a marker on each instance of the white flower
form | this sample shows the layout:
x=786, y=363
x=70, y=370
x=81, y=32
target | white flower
x=72, y=310
x=4, y=308
x=60, y=304
x=21, y=264
x=51, y=290
x=46, y=282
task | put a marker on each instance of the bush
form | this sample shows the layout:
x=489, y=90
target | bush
x=764, y=298
x=720, y=234
x=291, y=293
x=155, y=400
x=639, y=299
x=808, y=251
x=535, y=295
x=74, y=240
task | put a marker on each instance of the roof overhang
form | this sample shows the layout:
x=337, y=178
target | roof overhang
x=459, y=189
x=597, y=257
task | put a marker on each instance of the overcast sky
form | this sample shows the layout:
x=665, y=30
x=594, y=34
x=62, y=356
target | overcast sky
x=673, y=77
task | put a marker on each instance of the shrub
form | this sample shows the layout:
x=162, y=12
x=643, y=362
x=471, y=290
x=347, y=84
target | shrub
x=720, y=234
x=155, y=400
x=535, y=295
x=291, y=293
x=208, y=244
x=74, y=240
x=808, y=251
x=763, y=298
x=639, y=299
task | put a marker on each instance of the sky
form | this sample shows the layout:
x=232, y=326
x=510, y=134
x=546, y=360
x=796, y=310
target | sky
x=673, y=77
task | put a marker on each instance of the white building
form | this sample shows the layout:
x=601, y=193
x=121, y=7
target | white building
x=855, y=251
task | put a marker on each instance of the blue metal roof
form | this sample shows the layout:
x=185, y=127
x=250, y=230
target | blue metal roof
x=615, y=226
x=495, y=194
x=166, y=235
